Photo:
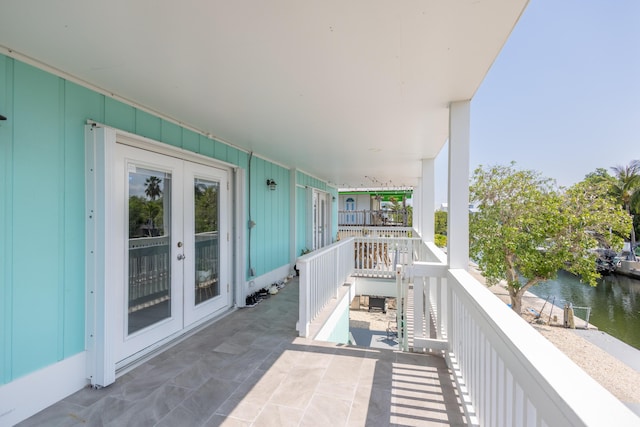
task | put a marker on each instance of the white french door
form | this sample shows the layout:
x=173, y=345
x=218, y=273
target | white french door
x=172, y=253
x=321, y=214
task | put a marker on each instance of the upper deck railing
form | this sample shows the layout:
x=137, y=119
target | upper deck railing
x=322, y=272
x=377, y=250
x=375, y=218
x=508, y=374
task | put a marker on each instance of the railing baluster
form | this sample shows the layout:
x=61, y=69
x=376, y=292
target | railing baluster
x=322, y=272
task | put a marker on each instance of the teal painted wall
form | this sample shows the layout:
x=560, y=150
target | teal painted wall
x=270, y=211
x=301, y=220
x=42, y=289
x=340, y=334
x=303, y=179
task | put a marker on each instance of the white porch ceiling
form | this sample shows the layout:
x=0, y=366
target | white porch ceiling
x=343, y=90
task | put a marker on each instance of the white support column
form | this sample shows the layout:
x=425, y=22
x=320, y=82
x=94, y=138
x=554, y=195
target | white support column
x=458, y=223
x=427, y=198
x=417, y=209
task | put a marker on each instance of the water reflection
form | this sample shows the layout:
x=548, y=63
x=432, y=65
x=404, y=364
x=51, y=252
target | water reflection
x=615, y=302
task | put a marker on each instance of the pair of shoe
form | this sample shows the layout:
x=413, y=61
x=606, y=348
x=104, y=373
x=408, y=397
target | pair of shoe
x=251, y=300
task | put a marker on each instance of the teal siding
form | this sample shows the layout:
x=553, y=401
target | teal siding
x=305, y=180
x=340, y=334
x=148, y=126
x=269, y=210
x=171, y=134
x=309, y=181
x=42, y=217
x=220, y=150
x=301, y=220
x=206, y=146
x=42, y=285
x=334, y=212
x=6, y=218
x=190, y=141
x=37, y=200
x=119, y=115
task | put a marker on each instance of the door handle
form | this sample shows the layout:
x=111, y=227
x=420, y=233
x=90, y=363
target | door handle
x=181, y=257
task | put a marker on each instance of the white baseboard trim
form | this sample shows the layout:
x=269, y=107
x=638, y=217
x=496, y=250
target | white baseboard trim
x=30, y=394
x=260, y=282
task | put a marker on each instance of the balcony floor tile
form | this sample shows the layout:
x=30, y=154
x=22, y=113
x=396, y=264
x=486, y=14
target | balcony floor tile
x=251, y=369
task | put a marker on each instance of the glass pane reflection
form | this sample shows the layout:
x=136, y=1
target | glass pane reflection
x=206, y=262
x=149, y=296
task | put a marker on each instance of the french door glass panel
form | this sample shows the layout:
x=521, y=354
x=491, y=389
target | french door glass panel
x=207, y=239
x=149, y=213
x=206, y=212
x=174, y=220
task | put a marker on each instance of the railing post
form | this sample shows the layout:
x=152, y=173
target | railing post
x=418, y=308
x=304, y=309
x=338, y=270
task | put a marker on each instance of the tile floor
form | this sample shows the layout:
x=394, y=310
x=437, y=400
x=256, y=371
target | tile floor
x=251, y=369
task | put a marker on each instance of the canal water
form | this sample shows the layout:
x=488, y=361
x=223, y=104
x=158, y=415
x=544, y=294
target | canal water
x=615, y=302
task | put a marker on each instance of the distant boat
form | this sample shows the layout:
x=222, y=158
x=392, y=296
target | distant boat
x=607, y=261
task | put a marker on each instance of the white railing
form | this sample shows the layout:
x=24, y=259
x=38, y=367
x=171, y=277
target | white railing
x=345, y=231
x=508, y=374
x=377, y=256
x=376, y=217
x=322, y=272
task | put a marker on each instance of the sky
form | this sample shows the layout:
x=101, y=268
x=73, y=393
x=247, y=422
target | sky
x=563, y=96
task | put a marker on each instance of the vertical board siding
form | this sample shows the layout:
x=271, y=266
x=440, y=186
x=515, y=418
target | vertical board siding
x=206, y=146
x=148, y=126
x=190, y=140
x=61, y=216
x=119, y=115
x=171, y=134
x=219, y=150
x=36, y=206
x=301, y=220
x=42, y=218
x=6, y=173
x=269, y=210
x=305, y=180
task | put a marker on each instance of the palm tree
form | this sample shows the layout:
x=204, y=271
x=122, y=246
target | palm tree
x=152, y=187
x=153, y=191
x=626, y=189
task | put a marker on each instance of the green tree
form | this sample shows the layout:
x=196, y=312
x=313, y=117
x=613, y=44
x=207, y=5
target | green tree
x=526, y=229
x=153, y=191
x=138, y=215
x=206, y=208
x=625, y=188
x=441, y=223
x=401, y=213
x=152, y=187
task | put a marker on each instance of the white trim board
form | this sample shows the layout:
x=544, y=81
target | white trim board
x=267, y=279
x=30, y=394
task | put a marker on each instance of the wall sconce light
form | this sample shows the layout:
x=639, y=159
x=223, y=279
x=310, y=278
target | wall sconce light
x=271, y=184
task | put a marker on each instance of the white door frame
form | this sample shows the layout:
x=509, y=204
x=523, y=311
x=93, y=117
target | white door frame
x=314, y=239
x=100, y=144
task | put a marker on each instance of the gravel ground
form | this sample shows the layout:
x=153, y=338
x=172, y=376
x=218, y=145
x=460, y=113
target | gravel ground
x=374, y=321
